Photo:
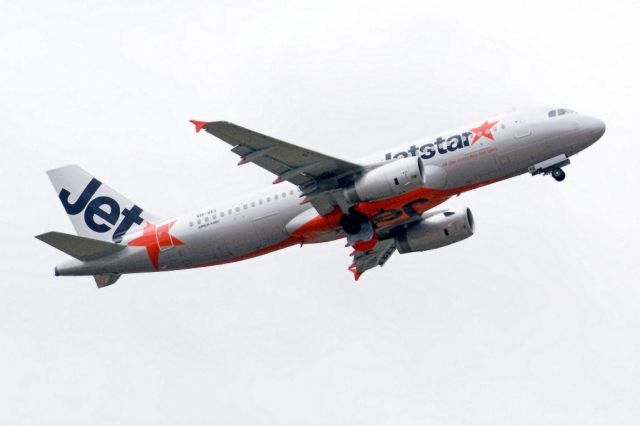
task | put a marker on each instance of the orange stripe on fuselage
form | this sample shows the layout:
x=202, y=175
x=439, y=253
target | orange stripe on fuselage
x=400, y=208
x=382, y=212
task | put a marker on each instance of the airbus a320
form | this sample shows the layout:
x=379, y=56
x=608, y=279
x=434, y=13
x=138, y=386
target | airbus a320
x=380, y=204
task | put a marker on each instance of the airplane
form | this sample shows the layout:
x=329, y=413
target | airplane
x=383, y=203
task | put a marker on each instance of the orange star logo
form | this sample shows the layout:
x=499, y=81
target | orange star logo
x=483, y=130
x=154, y=238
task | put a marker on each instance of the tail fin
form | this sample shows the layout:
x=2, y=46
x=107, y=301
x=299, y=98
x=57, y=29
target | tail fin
x=79, y=247
x=96, y=211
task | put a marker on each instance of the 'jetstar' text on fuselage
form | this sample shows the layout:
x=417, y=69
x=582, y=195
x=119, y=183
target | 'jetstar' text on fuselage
x=439, y=146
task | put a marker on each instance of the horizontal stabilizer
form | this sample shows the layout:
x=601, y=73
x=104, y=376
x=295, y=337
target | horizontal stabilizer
x=81, y=248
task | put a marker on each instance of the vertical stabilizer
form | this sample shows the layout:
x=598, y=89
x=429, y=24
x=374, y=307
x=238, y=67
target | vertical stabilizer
x=95, y=210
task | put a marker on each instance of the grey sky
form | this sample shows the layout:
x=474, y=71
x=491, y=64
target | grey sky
x=534, y=320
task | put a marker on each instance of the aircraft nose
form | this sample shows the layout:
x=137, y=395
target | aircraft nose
x=595, y=127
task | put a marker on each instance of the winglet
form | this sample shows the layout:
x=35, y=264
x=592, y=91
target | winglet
x=199, y=124
x=356, y=273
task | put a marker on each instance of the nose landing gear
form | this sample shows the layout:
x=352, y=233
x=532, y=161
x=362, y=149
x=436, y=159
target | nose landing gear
x=552, y=166
x=558, y=174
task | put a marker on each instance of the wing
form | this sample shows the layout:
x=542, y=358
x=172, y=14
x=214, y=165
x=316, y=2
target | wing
x=366, y=257
x=317, y=175
x=377, y=256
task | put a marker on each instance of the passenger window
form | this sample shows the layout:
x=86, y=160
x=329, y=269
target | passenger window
x=199, y=221
x=237, y=209
x=260, y=201
x=245, y=207
x=284, y=194
x=206, y=218
x=268, y=199
x=552, y=113
x=291, y=192
x=191, y=223
x=221, y=214
x=253, y=204
x=229, y=211
x=562, y=111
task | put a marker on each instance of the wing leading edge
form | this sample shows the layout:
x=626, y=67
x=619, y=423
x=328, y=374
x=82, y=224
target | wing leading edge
x=317, y=175
x=320, y=178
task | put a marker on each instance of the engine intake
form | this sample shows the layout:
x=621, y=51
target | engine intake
x=435, y=231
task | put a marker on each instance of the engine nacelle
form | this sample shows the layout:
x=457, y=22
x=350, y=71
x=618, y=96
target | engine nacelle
x=393, y=178
x=435, y=231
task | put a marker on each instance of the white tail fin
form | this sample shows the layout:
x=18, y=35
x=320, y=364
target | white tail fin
x=96, y=211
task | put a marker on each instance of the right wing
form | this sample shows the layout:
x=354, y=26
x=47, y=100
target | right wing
x=377, y=256
x=317, y=175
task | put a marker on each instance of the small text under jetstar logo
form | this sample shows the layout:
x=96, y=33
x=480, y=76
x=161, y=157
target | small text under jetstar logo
x=444, y=146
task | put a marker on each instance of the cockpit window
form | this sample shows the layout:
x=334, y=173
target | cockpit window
x=560, y=111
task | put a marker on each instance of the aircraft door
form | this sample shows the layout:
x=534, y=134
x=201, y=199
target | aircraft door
x=163, y=236
x=522, y=128
x=269, y=228
x=174, y=253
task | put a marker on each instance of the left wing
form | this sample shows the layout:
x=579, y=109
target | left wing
x=377, y=256
x=320, y=177
x=317, y=175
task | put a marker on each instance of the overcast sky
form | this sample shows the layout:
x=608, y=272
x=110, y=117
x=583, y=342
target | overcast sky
x=532, y=321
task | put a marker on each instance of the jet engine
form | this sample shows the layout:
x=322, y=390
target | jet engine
x=437, y=230
x=392, y=178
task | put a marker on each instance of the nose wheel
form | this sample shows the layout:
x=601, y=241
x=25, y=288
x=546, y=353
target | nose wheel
x=558, y=174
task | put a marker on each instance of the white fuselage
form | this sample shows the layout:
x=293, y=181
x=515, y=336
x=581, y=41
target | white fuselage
x=271, y=219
